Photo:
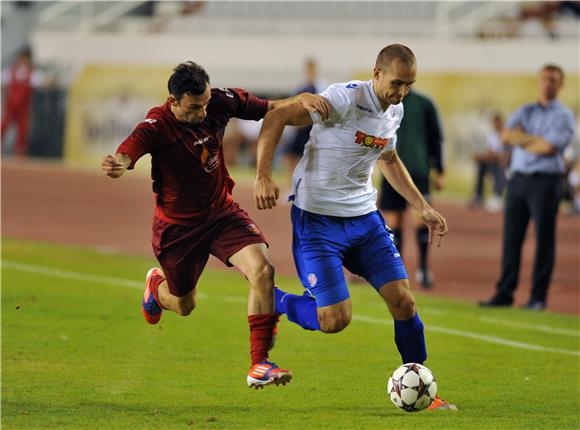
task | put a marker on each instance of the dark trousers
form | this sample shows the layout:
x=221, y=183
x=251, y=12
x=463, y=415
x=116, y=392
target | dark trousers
x=536, y=196
x=496, y=171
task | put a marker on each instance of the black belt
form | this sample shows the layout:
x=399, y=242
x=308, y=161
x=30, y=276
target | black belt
x=539, y=174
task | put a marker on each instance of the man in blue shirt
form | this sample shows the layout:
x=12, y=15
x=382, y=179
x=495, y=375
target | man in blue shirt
x=539, y=132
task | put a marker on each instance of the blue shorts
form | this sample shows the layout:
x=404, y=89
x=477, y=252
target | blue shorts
x=322, y=245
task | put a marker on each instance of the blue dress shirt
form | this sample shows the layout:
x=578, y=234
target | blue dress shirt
x=553, y=122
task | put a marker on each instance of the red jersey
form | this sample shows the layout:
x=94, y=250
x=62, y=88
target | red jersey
x=20, y=87
x=190, y=180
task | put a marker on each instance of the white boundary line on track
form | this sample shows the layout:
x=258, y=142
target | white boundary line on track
x=76, y=276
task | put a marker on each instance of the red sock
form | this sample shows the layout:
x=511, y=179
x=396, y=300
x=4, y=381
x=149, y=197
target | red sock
x=261, y=328
x=156, y=280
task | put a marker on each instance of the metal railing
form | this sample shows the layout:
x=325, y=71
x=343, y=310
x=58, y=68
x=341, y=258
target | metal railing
x=442, y=19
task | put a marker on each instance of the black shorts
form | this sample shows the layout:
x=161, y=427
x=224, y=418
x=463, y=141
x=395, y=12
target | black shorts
x=390, y=200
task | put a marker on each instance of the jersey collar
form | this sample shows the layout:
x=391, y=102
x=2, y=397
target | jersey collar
x=372, y=97
x=374, y=100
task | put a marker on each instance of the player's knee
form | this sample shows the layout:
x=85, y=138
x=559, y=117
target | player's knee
x=334, y=323
x=405, y=307
x=261, y=274
x=185, y=307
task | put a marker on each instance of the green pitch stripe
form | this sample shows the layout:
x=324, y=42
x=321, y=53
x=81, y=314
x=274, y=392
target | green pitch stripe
x=23, y=267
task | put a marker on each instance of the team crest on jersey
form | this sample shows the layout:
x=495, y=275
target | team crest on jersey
x=369, y=141
x=252, y=228
x=209, y=161
x=312, y=279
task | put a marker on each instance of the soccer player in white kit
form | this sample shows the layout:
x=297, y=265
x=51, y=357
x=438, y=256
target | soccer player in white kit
x=334, y=214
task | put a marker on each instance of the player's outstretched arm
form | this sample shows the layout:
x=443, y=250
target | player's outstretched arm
x=115, y=165
x=397, y=175
x=311, y=102
x=266, y=191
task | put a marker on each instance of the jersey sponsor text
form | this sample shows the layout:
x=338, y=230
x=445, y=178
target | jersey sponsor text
x=368, y=141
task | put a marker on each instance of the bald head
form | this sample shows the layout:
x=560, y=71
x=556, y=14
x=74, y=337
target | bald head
x=396, y=52
x=393, y=75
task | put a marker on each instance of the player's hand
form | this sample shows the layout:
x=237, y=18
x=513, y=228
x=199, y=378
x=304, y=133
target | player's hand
x=315, y=103
x=266, y=192
x=112, y=166
x=435, y=223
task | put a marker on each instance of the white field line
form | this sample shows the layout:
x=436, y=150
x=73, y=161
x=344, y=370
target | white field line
x=73, y=276
x=471, y=335
x=533, y=327
x=496, y=321
x=76, y=276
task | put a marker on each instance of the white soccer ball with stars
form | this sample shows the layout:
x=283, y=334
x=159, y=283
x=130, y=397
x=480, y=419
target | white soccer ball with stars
x=412, y=387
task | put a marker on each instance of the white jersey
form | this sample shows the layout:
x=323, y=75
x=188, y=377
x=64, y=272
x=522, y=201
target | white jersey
x=334, y=175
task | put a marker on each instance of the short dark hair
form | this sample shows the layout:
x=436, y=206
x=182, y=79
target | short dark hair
x=553, y=68
x=26, y=52
x=395, y=52
x=189, y=78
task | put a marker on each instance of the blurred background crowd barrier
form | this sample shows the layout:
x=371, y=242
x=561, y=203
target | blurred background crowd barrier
x=107, y=63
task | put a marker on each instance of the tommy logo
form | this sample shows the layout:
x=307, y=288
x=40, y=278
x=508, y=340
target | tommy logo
x=312, y=279
x=150, y=120
x=200, y=141
x=364, y=139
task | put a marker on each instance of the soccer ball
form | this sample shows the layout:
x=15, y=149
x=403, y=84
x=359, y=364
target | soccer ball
x=412, y=387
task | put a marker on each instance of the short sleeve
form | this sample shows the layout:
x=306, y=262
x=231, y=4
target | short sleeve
x=143, y=140
x=392, y=144
x=339, y=98
x=516, y=118
x=245, y=105
x=561, y=131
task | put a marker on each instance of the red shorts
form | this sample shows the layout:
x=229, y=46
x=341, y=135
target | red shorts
x=183, y=251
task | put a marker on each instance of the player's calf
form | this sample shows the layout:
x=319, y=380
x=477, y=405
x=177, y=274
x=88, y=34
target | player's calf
x=335, y=318
x=185, y=305
x=333, y=325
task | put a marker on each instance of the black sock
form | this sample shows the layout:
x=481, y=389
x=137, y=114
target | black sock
x=398, y=240
x=423, y=244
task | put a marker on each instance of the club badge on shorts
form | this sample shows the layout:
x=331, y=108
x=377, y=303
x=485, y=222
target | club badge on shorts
x=312, y=279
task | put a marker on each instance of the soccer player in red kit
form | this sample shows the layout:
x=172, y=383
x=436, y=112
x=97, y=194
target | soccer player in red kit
x=195, y=214
x=18, y=82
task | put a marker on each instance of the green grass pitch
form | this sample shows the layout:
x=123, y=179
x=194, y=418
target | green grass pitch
x=77, y=354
